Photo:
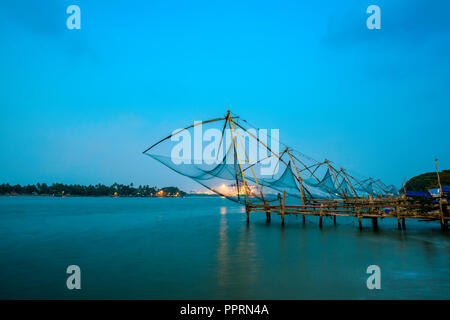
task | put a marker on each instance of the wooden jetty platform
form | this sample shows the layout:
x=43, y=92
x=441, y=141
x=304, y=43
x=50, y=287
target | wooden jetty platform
x=370, y=208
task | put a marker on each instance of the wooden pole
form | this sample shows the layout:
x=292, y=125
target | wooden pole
x=441, y=209
x=253, y=172
x=371, y=210
x=248, y=160
x=299, y=178
x=282, y=205
x=438, y=177
x=349, y=183
x=381, y=185
x=321, y=212
x=239, y=161
x=257, y=139
x=270, y=150
x=311, y=172
x=247, y=211
x=223, y=132
x=359, y=183
x=398, y=216
x=336, y=181
x=234, y=159
x=375, y=223
x=359, y=219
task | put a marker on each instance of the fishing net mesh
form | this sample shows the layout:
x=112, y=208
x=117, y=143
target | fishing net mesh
x=220, y=156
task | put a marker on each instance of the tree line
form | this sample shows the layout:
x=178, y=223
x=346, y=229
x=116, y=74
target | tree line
x=428, y=180
x=90, y=190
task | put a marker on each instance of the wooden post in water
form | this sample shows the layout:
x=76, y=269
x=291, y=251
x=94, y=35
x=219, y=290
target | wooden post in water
x=321, y=212
x=404, y=193
x=282, y=204
x=359, y=219
x=397, y=210
x=334, y=220
x=375, y=223
x=267, y=212
x=441, y=209
x=247, y=211
x=371, y=211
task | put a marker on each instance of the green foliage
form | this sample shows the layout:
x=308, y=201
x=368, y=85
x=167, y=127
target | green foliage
x=171, y=190
x=428, y=180
x=79, y=190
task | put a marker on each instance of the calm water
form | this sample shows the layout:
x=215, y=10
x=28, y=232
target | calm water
x=194, y=248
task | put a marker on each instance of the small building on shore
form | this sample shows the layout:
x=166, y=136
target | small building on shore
x=435, y=192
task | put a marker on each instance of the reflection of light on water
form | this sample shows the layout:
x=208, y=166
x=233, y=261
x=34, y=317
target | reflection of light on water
x=222, y=252
x=237, y=266
x=246, y=255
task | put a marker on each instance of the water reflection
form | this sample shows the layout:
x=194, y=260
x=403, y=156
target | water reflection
x=246, y=256
x=283, y=238
x=237, y=267
x=232, y=260
x=222, y=250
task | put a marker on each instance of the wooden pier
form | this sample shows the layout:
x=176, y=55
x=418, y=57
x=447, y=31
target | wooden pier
x=361, y=208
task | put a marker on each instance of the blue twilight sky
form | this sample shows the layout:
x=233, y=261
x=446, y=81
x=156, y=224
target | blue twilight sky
x=79, y=106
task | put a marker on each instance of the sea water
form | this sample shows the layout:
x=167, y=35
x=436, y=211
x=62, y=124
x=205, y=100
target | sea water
x=202, y=248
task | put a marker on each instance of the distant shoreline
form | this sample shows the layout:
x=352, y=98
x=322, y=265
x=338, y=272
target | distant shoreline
x=187, y=195
x=98, y=190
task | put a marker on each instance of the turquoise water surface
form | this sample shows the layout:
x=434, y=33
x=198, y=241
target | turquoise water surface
x=202, y=248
